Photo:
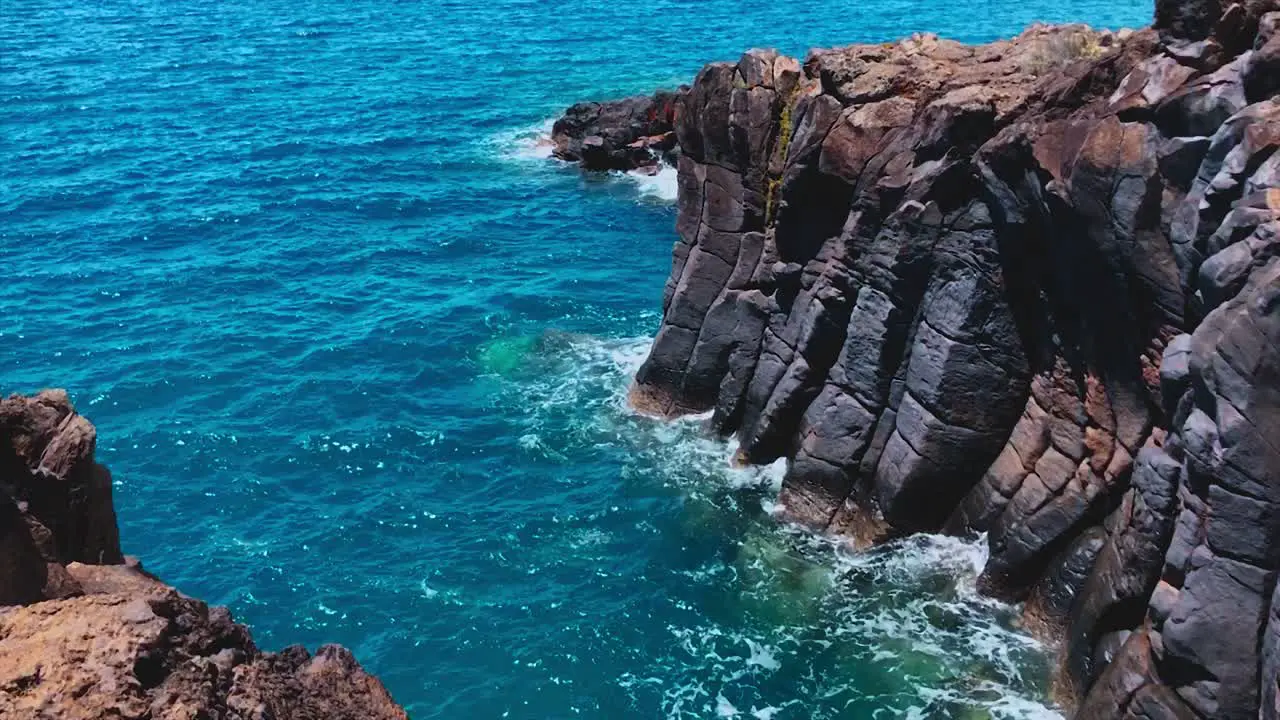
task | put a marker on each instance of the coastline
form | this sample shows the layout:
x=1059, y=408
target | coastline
x=1024, y=289
x=1149, y=446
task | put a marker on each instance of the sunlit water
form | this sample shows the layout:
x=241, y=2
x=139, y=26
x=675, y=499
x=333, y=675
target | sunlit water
x=357, y=355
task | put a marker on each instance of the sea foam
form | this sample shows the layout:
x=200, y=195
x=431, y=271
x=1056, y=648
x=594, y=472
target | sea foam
x=659, y=185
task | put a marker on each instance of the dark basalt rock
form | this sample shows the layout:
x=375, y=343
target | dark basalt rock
x=1030, y=289
x=628, y=134
x=1187, y=19
x=85, y=633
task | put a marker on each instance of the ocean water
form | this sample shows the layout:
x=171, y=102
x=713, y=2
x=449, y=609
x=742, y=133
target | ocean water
x=357, y=353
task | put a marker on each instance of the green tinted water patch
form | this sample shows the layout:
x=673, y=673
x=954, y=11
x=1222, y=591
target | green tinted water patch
x=505, y=355
x=776, y=582
x=545, y=354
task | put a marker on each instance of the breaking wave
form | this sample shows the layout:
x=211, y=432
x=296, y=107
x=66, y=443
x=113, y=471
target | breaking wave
x=527, y=143
x=660, y=185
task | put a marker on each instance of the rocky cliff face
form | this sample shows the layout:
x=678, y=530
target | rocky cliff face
x=1029, y=289
x=86, y=633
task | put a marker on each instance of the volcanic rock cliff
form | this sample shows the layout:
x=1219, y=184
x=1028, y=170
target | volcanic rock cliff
x=86, y=633
x=1029, y=289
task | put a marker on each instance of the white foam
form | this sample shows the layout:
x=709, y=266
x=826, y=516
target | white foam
x=598, y=372
x=965, y=557
x=427, y=591
x=628, y=354
x=761, y=655
x=527, y=143
x=724, y=708
x=661, y=185
x=1014, y=707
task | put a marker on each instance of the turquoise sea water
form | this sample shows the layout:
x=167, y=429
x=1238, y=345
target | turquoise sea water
x=357, y=354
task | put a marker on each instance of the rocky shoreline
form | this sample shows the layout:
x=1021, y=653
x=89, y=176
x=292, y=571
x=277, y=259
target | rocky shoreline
x=1029, y=289
x=85, y=632
x=629, y=134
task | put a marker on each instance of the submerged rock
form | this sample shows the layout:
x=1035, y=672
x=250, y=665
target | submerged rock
x=86, y=633
x=1029, y=289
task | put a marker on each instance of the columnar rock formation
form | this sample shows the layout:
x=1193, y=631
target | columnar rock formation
x=1029, y=289
x=86, y=633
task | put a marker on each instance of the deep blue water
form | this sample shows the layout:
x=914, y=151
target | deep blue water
x=357, y=355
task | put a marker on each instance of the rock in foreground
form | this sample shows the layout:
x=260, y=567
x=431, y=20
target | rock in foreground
x=1029, y=289
x=85, y=633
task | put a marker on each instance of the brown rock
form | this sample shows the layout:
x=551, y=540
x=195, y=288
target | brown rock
x=156, y=654
x=46, y=463
x=92, y=640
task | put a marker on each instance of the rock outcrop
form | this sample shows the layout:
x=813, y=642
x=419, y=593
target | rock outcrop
x=86, y=633
x=629, y=134
x=1029, y=289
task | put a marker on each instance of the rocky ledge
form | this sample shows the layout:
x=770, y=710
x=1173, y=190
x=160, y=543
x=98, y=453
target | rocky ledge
x=86, y=633
x=1029, y=289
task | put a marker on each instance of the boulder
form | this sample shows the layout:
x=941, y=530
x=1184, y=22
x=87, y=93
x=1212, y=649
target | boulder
x=627, y=134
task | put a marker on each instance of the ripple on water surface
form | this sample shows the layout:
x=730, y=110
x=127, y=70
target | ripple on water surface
x=357, y=352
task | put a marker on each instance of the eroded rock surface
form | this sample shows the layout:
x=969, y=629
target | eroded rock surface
x=1029, y=289
x=86, y=633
